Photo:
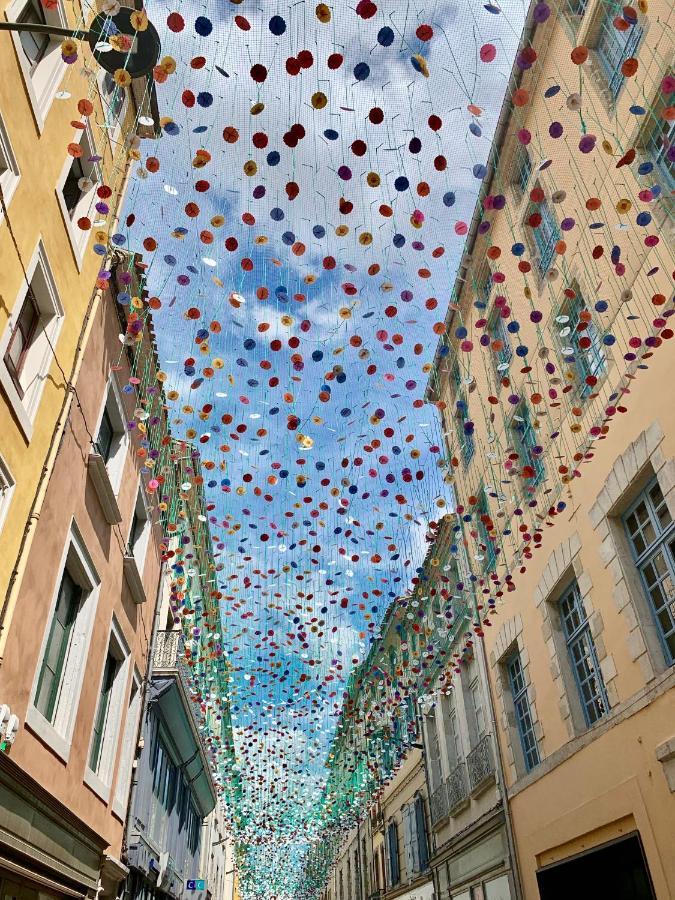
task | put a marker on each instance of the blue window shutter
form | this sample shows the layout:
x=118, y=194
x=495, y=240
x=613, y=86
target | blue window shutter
x=421, y=834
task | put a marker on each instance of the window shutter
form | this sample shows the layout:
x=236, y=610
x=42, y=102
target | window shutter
x=408, y=839
x=421, y=830
x=415, y=836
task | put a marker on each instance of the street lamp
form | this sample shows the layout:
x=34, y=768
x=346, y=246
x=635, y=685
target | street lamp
x=139, y=60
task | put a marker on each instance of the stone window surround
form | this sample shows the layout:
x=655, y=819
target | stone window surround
x=632, y=471
x=509, y=641
x=563, y=566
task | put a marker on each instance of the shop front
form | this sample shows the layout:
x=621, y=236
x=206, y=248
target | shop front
x=475, y=866
x=45, y=851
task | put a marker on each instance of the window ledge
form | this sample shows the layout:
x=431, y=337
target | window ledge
x=15, y=402
x=134, y=580
x=95, y=784
x=44, y=730
x=104, y=489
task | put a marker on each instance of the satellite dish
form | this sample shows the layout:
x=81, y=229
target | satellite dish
x=144, y=52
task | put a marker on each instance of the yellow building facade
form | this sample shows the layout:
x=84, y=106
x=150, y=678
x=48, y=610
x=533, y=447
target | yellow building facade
x=560, y=434
x=48, y=272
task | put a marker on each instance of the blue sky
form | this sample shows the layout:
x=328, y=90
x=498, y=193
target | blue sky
x=334, y=553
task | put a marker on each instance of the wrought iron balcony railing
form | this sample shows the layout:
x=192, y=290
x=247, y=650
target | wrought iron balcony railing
x=480, y=764
x=438, y=804
x=169, y=660
x=458, y=790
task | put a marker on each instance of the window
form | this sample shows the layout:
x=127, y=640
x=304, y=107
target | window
x=577, y=7
x=580, y=342
x=21, y=339
x=111, y=437
x=35, y=46
x=7, y=485
x=544, y=236
x=108, y=715
x=483, y=287
x=490, y=557
x=583, y=656
x=128, y=748
x=26, y=345
x=433, y=750
x=477, y=708
x=501, y=346
x=651, y=534
x=58, y=644
x=139, y=532
x=106, y=436
x=465, y=438
x=63, y=657
x=392, y=846
x=9, y=169
x=658, y=145
x=114, y=99
x=101, y=719
x=522, y=170
x=39, y=55
x=421, y=834
x=615, y=46
x=527, y=444
x=455, y=735
x=415, y=837
x=523, y=715
x=77, y=189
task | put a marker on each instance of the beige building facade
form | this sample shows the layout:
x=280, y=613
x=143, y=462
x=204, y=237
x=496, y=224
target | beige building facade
x=581, y=644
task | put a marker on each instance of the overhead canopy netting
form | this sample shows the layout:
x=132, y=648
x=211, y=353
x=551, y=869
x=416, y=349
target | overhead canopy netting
x=301, y=216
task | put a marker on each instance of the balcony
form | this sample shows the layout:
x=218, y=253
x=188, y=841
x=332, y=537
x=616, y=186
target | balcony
x=480, y=765
x=458, y=790
x=169, y=661
x=438, y=805
x=173, y=702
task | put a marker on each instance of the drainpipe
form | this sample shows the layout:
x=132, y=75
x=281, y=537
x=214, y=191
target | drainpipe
x=501, y=782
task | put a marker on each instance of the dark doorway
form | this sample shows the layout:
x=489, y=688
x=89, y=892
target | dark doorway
x=617, y=870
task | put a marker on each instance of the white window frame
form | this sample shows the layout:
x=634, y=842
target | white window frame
x=43, y=83
x=112, y=401
x=40, y=354
x=59, y=735
x=140, y=551
x=77, y=237
x=127, y=753
x=101, y=782
x=11, y=177
x=7, y=485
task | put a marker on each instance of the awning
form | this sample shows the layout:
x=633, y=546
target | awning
x=173, y=707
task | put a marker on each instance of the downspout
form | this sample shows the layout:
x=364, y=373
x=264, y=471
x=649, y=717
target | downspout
x=501, y=783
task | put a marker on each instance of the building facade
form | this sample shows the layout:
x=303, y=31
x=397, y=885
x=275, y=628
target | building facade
x=187, y=743
x=78, y=641
x=568, y=501
x=471, y=840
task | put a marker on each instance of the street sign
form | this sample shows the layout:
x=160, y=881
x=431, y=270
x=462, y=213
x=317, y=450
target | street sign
x=196, y=884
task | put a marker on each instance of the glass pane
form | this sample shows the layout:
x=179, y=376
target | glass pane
x=660, y=506
x=53, y=663
x=106, y=434
x=102, y=712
